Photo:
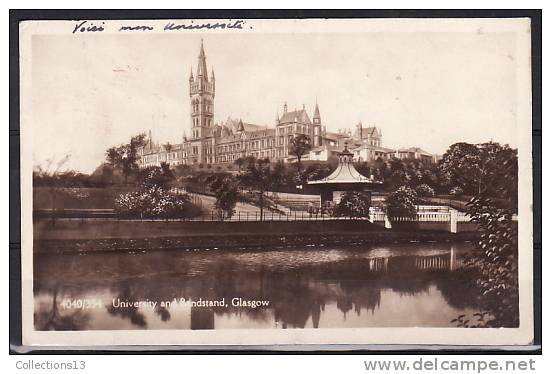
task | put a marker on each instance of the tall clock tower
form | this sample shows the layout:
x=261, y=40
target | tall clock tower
x=201, y=93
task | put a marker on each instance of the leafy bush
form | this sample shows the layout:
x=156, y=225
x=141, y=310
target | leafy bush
x=154, y=202
x=161, y=176
x=496, y=260
x=456, y=191
x=424, y=190
x=401, y=203
x=353, y=204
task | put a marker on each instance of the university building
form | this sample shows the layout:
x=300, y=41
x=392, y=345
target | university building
x=229, y=140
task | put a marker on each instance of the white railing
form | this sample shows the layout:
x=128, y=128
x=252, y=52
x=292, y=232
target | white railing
x=422, y=216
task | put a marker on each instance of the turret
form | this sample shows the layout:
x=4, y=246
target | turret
x=316, y=118
x=359, y=130
x=316, y=121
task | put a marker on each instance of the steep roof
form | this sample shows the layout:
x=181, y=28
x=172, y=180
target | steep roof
x=334, y=135
x=326, y=146
x=299, y=115
x=230, y=139
x=247, y=135
x=366, y=132
x=372, y=130
x=375, y=148
x=317, y=112
x=234, y=124
x=415, y=149
x=261, y=133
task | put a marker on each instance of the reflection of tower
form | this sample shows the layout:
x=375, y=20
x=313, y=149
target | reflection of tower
x=202, y=318
x=316, y=314
x=453, y=259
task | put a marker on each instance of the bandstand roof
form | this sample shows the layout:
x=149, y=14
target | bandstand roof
x=345, y=172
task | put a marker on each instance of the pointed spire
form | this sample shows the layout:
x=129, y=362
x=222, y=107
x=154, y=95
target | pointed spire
x=277, y=117
x=202, y=66
x=285, y=107
x=212, y=72
x=202, y=51
x=240, y=126
x=317, y=111
x=150, y=141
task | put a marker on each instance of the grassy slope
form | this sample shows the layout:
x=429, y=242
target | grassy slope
x=98, y=198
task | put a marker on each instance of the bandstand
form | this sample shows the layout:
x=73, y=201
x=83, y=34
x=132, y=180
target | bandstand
x=344, y=178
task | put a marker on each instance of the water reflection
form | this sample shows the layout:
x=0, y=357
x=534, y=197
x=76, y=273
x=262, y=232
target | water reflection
x=390, y=286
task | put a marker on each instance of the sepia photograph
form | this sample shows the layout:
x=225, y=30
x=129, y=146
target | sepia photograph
x=265, y=182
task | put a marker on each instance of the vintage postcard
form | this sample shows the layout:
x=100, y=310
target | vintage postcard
x=251, y=182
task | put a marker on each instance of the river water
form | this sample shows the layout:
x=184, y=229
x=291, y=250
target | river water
x=397, y=285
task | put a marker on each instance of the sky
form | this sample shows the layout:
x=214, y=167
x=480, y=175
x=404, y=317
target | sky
x=427, y=90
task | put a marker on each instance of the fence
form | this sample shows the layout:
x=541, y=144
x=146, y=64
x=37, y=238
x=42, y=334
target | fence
x=209, y=216
x=213, y=215
x=425, y=214
x=421, y=216
x=441, y=217
x=294, y=201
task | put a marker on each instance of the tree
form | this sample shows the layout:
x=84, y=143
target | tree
x=472, y=166
x=401, y=203
x=364, y=168
x=55, y=180
x=240, y=162
x=125, y=156
x=353, y=204
x=226, y=191
x=261, y=176
x=105, y=175
x=182, y=170
x=496, y=262
x=160, y=176
x=397, y=174
x=314, y=172
x=299, y=146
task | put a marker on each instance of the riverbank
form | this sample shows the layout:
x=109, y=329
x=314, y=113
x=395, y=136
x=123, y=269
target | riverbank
x=127, y=236
x=126, y=229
